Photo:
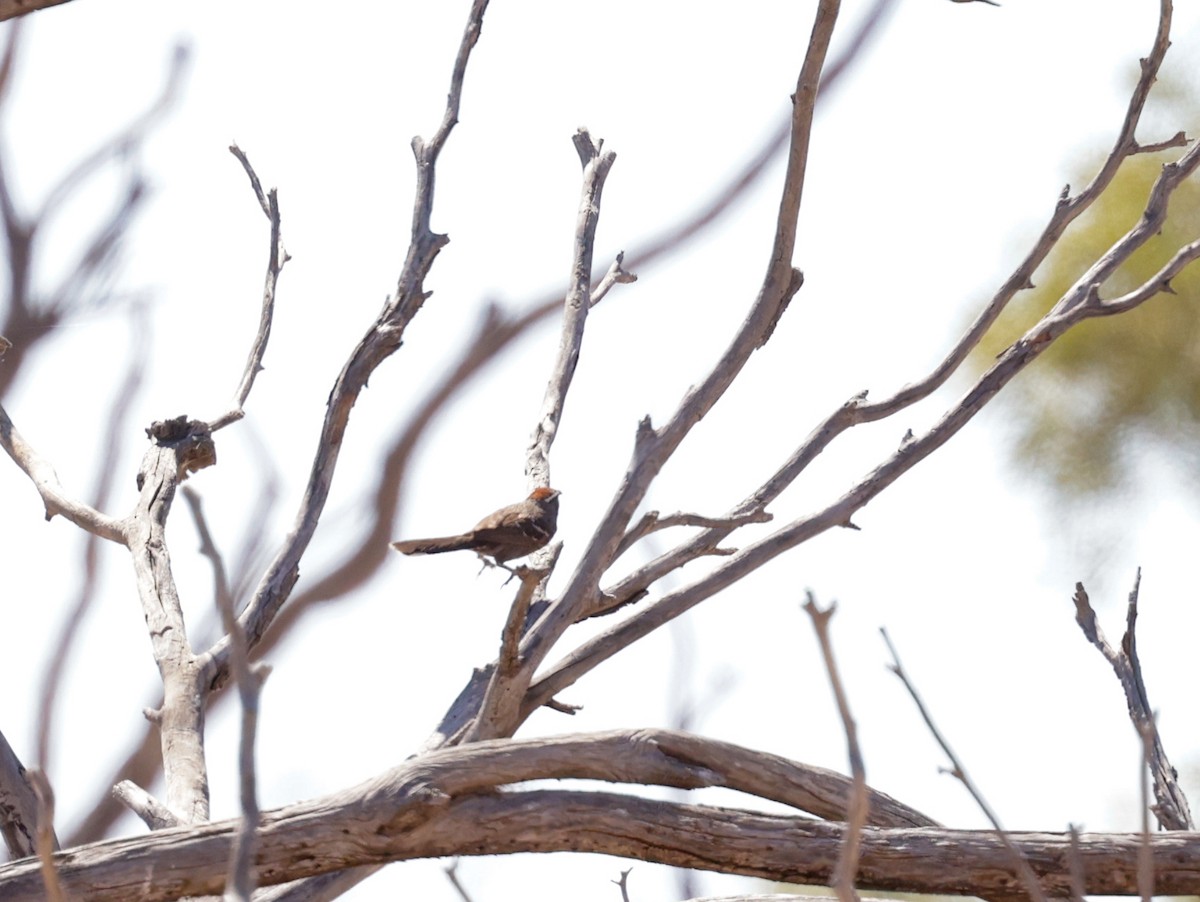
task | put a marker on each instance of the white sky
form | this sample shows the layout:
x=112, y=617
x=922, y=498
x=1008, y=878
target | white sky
x=931, y=167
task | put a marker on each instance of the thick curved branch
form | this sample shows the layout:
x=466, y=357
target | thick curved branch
x=380, y=823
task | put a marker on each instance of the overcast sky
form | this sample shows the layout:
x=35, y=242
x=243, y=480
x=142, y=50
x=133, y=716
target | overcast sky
x=933, y=163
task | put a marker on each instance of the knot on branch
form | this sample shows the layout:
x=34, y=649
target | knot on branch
x=191, y=439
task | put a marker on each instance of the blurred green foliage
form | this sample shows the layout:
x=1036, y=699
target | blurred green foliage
x=1110, y=387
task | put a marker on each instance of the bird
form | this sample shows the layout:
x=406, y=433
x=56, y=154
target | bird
x=511, y=532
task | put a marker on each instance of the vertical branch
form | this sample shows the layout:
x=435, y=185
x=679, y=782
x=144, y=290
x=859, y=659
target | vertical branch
x=1171, y=805
x=596, y=165
x=1145, y=862
x=240, y=883
x=178, y=446
x=858, y=808
x=46, y=841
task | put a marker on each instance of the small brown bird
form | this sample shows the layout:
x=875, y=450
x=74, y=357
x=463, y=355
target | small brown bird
x=511, y=532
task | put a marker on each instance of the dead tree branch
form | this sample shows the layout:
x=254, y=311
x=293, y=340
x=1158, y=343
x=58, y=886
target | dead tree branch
x=1171, y=805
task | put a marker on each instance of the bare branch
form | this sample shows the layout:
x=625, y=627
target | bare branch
x=596, y=165
x=652, y=448
x=248, y=681
x=277, y=257
x=1147, y=733
x=222, y=597
x=847, y=865
x=1157, y=283
x=1077, y=305
x=502, y=699
x=452, y=875
x=622, y=884
x=1067, y=211
x=143, y=762
x=53, y=496
x=18, y=804
x=11, y=9
x=1075, y=865
x=1028, y=878
x=652, y=522
x=1179, y=139
x=153, y=813
x=1171, y=806
x=381, y=340
x=177, y=447
x=616, y=275
x=386, y=820
x=47, y=842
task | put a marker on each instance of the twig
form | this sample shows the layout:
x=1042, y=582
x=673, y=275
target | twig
x=1159, y=282
x=596, y=165
x=452, y=875
x=154, y=814
x=652, y=522
x=222, y=597
x=54, y=497
x=241, y=878
x=622, y=884
x=1145, y=871
x=616, y=275
x=1075, y=865
x=47, y=842
x=1028, y=878
x=276, y=260
x=856, y=811
x=1171, y=806
x=248, y=680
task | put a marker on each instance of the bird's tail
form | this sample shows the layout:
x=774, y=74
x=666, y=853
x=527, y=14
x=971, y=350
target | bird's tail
x=434, y=546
